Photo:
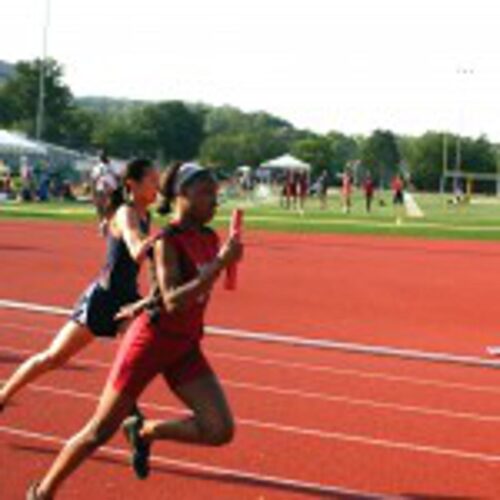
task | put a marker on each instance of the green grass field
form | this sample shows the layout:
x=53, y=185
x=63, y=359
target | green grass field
x=479, y=220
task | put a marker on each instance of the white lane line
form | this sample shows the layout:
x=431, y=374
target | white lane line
x=322, y=397
x=297, y=341
x=34, y=308
x=223, y=473
x=273, y=362
x=355, y=373
x=316, y=433
x=366, y=403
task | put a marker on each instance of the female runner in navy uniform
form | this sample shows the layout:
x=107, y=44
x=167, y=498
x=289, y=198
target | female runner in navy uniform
x=165, y=339
x=106, y=301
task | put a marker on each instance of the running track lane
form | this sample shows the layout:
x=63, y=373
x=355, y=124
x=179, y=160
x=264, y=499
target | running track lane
x=456, y=456
x=434, y=295
x=423, y=267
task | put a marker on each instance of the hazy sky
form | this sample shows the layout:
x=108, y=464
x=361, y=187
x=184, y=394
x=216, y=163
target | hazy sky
x=351, y=65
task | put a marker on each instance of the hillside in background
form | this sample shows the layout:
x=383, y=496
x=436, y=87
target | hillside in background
x=108, y=105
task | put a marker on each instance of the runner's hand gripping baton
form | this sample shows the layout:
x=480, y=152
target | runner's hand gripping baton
x=235, y=230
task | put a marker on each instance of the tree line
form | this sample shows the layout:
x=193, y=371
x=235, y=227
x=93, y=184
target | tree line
x=222, y=137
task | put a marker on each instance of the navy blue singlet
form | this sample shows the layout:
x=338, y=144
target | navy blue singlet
x=116, y=286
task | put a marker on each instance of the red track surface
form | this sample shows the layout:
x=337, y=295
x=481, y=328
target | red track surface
x=354, y=422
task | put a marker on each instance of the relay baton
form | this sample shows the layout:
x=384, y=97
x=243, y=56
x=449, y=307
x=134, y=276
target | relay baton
x=235, y=230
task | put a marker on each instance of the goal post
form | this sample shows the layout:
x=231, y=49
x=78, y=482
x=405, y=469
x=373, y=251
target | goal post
x=463, y=185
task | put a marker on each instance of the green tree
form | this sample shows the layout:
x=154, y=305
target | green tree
x=168, y=131
x=224, y=151
x=230, y=120
x=380, y=153
x=235, y=138
x=124, y=134
x=177, y=130
x=317, y=151
x=77, y=128
x=344, y=149
x=7, y=115
x=424, y=157
x=229, y=150
x=21, y=95
x=478, y=155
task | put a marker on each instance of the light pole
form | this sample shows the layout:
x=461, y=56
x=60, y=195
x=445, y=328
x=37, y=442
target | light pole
x=445, y=163
x=41, y=81
x=464, y=73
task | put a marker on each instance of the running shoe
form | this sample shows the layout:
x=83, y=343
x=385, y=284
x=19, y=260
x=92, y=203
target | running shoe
x=140, y=448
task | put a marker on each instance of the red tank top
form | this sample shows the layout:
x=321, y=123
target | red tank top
x=195, y=248
x=346, y=185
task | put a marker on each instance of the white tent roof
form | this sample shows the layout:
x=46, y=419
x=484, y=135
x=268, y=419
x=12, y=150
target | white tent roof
x=287, y=162
x=15, y=143
x=244, y=168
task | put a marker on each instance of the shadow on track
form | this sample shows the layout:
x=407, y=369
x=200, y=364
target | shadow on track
x=12, y=359
x=226, y=478
x=20, y=248
x=423, y=496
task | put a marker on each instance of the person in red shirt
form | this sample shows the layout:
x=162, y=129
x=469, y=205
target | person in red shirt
x=398, y=190
x=398, y=197
x=284, y=200
x=303, y=187
x=369, y=188
x=165, y=339
x=294, y=189
x=288, y=189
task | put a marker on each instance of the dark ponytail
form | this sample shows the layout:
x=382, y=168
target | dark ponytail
x=135, y=170
x=167, y=187
x=116, y=199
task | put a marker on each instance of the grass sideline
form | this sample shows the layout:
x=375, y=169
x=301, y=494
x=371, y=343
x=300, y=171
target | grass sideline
x=479, y=220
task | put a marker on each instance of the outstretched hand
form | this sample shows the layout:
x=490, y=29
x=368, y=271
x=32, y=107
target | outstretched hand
x=128, y=312
x=232, y=251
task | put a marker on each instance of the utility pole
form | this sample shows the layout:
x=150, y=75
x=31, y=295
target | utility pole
x=40, y=115
x=462, y=73
x=445, y=164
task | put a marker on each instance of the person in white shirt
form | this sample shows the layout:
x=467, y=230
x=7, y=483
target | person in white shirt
x=105, y=181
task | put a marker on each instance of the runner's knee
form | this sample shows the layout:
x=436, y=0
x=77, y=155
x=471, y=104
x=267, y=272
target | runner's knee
x=52, y=359
x=97, y=434
x=218, y=430
x=44, y=360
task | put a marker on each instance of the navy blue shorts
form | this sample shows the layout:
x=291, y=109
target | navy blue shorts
x=96, y=309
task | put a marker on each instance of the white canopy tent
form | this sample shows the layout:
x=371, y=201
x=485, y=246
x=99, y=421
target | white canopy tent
x=11, y=142
x=287, y=162
x=244, y=169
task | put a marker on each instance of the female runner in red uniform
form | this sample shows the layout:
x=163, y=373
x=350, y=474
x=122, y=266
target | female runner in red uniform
x=165, y=339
